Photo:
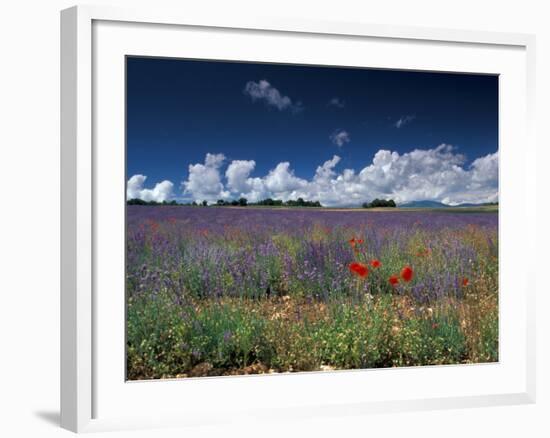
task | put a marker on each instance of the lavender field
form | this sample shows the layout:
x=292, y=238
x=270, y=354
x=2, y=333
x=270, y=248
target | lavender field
x=222, y=291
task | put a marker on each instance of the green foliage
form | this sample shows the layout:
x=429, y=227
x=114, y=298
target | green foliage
x=243, y=202
x=300, y=202
x=270, y=202
x=154, y=333
x=165, y=340
x=379, y=203
x=438, y=340
x=136, y=201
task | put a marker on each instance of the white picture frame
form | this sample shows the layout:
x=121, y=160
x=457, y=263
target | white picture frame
x=87, y=372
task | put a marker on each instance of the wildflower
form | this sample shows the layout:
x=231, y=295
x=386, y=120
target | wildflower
x=394, y=279
x=375, y=263
x=352, y=241
x=435, y=325
x=407, y=273
x=465, y=282
x=359, y=269
x=360, y=241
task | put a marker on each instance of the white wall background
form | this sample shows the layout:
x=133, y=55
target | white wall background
x=29, y=214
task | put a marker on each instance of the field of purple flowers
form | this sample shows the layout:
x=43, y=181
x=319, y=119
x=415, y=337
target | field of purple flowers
x=221, y=291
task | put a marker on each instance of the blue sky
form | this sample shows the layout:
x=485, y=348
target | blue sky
x=434, y=135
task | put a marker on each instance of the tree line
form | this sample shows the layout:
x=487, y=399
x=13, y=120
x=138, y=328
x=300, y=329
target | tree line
x=379, y=203
x=241, y=202
x=137, y=201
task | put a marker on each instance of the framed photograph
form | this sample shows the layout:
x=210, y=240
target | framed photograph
x=258, y=208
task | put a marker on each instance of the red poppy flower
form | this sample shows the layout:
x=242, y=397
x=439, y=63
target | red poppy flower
x=360, y=241
x=394, y=279
x=375, y=263
x=359, y=269
x=407, y=273
x=352, y=241
x=465, y=282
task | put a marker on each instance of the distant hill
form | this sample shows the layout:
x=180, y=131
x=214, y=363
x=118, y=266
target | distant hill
x=437, y=204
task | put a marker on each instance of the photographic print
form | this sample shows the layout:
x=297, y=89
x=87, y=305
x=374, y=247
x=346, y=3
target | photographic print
x=295, y=218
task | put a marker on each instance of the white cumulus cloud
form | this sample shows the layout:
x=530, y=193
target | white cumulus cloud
x=204, y=182
x=439, y=174
x=237, y=174
x=340, y=137
x=325, y=172
x=433, y=174
x=264, y=91
x=161, y=192
x=281, y=181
